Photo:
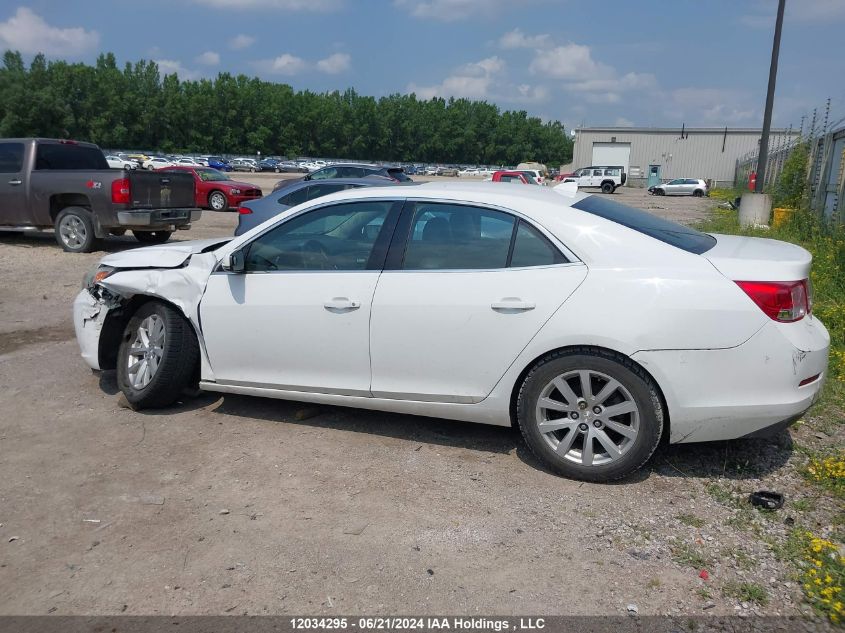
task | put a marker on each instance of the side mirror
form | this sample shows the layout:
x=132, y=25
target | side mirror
x=233, y=262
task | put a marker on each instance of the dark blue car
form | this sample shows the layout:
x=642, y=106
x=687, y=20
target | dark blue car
x=254, y=212
x=221, y=164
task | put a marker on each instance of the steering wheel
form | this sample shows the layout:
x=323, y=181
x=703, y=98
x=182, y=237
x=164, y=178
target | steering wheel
x=314, y=253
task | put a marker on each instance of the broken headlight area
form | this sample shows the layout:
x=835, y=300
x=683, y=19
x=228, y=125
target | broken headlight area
x=95, y=276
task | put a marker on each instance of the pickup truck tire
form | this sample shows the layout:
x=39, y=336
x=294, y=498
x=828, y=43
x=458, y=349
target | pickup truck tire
x=152, y=237
x=217, y=201
x=607, y=187
x=75, y=231
x=158, y=356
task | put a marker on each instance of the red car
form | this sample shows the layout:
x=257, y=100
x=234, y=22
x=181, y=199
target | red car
x=513, y=176
x=215, y=190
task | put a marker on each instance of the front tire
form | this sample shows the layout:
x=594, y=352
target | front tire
x=217, y=201
x=158, y=356
x=152, y=237
x=589, y=414
x=659, y=192
x=607, y=187
x=75, y=231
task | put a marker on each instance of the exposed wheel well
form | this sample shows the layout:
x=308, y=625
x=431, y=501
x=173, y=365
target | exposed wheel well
x=63, y=200
x=595, y=349
x=115, y=324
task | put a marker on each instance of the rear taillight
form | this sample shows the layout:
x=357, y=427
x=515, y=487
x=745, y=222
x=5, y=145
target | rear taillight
x=244, y=210
x=784, y=301
x=120, y=191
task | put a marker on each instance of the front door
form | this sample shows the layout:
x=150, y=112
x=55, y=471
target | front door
x=298, y=318
x=14, y=210
x=653, y=175
x=465, y=296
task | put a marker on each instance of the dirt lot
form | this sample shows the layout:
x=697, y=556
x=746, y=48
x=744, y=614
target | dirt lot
x=242, y=505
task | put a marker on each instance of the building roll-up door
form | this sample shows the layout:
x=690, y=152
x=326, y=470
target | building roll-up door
x=612, y=154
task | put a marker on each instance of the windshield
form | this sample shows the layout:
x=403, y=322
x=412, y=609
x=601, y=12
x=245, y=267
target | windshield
x=211, y=175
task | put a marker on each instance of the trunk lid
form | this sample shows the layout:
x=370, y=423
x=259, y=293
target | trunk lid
x=758, y=259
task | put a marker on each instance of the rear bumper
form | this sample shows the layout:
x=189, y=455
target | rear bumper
x=158, y=217
x=236, y=201
x=751, y=390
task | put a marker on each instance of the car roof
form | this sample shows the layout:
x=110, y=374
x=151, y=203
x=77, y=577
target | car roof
x=296, y=183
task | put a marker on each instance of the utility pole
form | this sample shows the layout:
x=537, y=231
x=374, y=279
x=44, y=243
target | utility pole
x=770, y=98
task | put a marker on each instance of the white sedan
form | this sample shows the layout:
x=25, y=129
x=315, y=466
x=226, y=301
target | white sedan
x=594, y=327
x=116, y=162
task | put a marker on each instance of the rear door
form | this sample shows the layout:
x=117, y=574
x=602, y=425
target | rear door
x=14, y=210
x=464, y=290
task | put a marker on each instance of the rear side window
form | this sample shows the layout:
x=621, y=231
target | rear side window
x=677, y=235
x=531, y=248
x=69, y=156
x=11, y=158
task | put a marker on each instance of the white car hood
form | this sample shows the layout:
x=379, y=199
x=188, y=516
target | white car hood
x=162, y=256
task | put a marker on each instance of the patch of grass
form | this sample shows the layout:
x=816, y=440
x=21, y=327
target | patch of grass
x=720, y=493
x=746, y=592
x=804, y=505
x=691, y=520
x=703, y=593
x=689, y=556
x=828, y=472
x=790, y=550
x=653, y=583
x=823, y=576
x=742, y=559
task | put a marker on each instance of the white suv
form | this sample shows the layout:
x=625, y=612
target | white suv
x=606, y=178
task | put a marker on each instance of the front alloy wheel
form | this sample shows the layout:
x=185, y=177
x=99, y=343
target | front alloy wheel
x=145, y=351
x=590, y=414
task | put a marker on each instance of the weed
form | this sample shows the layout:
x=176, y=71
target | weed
x=691, y=520
x=689, y=557
x=746, y=592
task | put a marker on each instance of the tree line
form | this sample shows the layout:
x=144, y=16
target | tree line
x=136, y=108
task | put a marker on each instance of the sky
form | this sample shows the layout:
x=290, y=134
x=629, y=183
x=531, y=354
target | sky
x=662, y=63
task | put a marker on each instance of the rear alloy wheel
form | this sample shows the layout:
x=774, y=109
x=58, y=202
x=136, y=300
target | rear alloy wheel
x=607, y=187
x=590, y=415
x=698, y=193
x=152, y=237
x=75, y=230
x=217, y=201
x=158, y=356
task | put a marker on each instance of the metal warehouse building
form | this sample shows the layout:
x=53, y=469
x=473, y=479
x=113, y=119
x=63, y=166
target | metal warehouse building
x=652, y=155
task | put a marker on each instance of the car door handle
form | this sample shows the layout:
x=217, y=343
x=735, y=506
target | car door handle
x=512, y=303
x=16, y=181
x=342, y=303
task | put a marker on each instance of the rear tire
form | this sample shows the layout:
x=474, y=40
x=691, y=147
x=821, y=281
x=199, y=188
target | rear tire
x=152, y=237
x=698, y=193
x=572, y=430
x=75, y=230
x=607, y=187
x=157, y=358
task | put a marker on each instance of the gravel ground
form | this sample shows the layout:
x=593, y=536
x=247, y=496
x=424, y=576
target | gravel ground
x=243, y=505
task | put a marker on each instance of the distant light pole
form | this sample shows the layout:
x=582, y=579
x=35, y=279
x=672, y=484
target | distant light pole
x=770, y=98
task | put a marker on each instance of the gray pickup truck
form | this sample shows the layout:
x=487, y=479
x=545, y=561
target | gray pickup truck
x=67, y=185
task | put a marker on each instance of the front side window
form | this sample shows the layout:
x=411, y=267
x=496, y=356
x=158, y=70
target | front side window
x=11, y=158
x=597, y=172
x=211, y=175
x=338, y=237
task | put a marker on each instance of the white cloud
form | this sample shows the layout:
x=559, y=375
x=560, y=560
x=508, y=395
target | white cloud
x=334, y=64
x=288, y=5
x=171, y=66
x=208, y=58
x=27, y=32
x=714, y=106
x=570, y=61
x=485, y=79
x=451, y=10
x=285, y=64
x=629, y=81
x=241, y=41
x=518, y=39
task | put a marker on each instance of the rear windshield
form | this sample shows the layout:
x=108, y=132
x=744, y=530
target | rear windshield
x=69, y=156
x=683, y=237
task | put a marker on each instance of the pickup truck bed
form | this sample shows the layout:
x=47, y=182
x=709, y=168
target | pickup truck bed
x=67, y=185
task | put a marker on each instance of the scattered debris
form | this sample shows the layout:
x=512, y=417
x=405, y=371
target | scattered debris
x=632, y=609
x=766, y=499
x=709, y=605
x=304, y=414
x=14, y=538
x=704, y=575
x=430, y=572
x=152, y=500
x=224, y=511
x=91, y=520
x=356, y=530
